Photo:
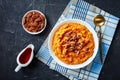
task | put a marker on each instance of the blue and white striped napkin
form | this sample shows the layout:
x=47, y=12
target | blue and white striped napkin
x=79, y=9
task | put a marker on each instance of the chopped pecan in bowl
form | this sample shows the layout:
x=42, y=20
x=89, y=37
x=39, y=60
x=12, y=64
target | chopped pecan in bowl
x=34, y=22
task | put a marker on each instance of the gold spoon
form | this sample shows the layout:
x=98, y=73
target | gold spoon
x=99, y=21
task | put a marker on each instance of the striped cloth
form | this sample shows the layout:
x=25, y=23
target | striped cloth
x=79, y=9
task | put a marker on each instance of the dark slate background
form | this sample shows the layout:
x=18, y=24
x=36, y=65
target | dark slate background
x=13, y=39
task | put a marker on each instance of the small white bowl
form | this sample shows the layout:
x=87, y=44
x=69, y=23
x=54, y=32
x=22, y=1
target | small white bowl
x=34, y=32
x=89, y=60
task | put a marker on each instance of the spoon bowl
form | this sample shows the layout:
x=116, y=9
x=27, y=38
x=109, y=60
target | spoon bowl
x=99, y=20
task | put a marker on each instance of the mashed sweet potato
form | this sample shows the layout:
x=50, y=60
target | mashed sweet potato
x=73, y=43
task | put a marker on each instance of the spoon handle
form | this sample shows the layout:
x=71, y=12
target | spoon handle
x=100, y=44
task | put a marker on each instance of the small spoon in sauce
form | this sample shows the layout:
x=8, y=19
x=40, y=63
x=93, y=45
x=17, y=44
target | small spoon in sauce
x=25, y=57
x=99, y=21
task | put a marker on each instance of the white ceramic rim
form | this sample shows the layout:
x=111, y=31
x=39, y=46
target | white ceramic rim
x=33, y=32
x=78, y=65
